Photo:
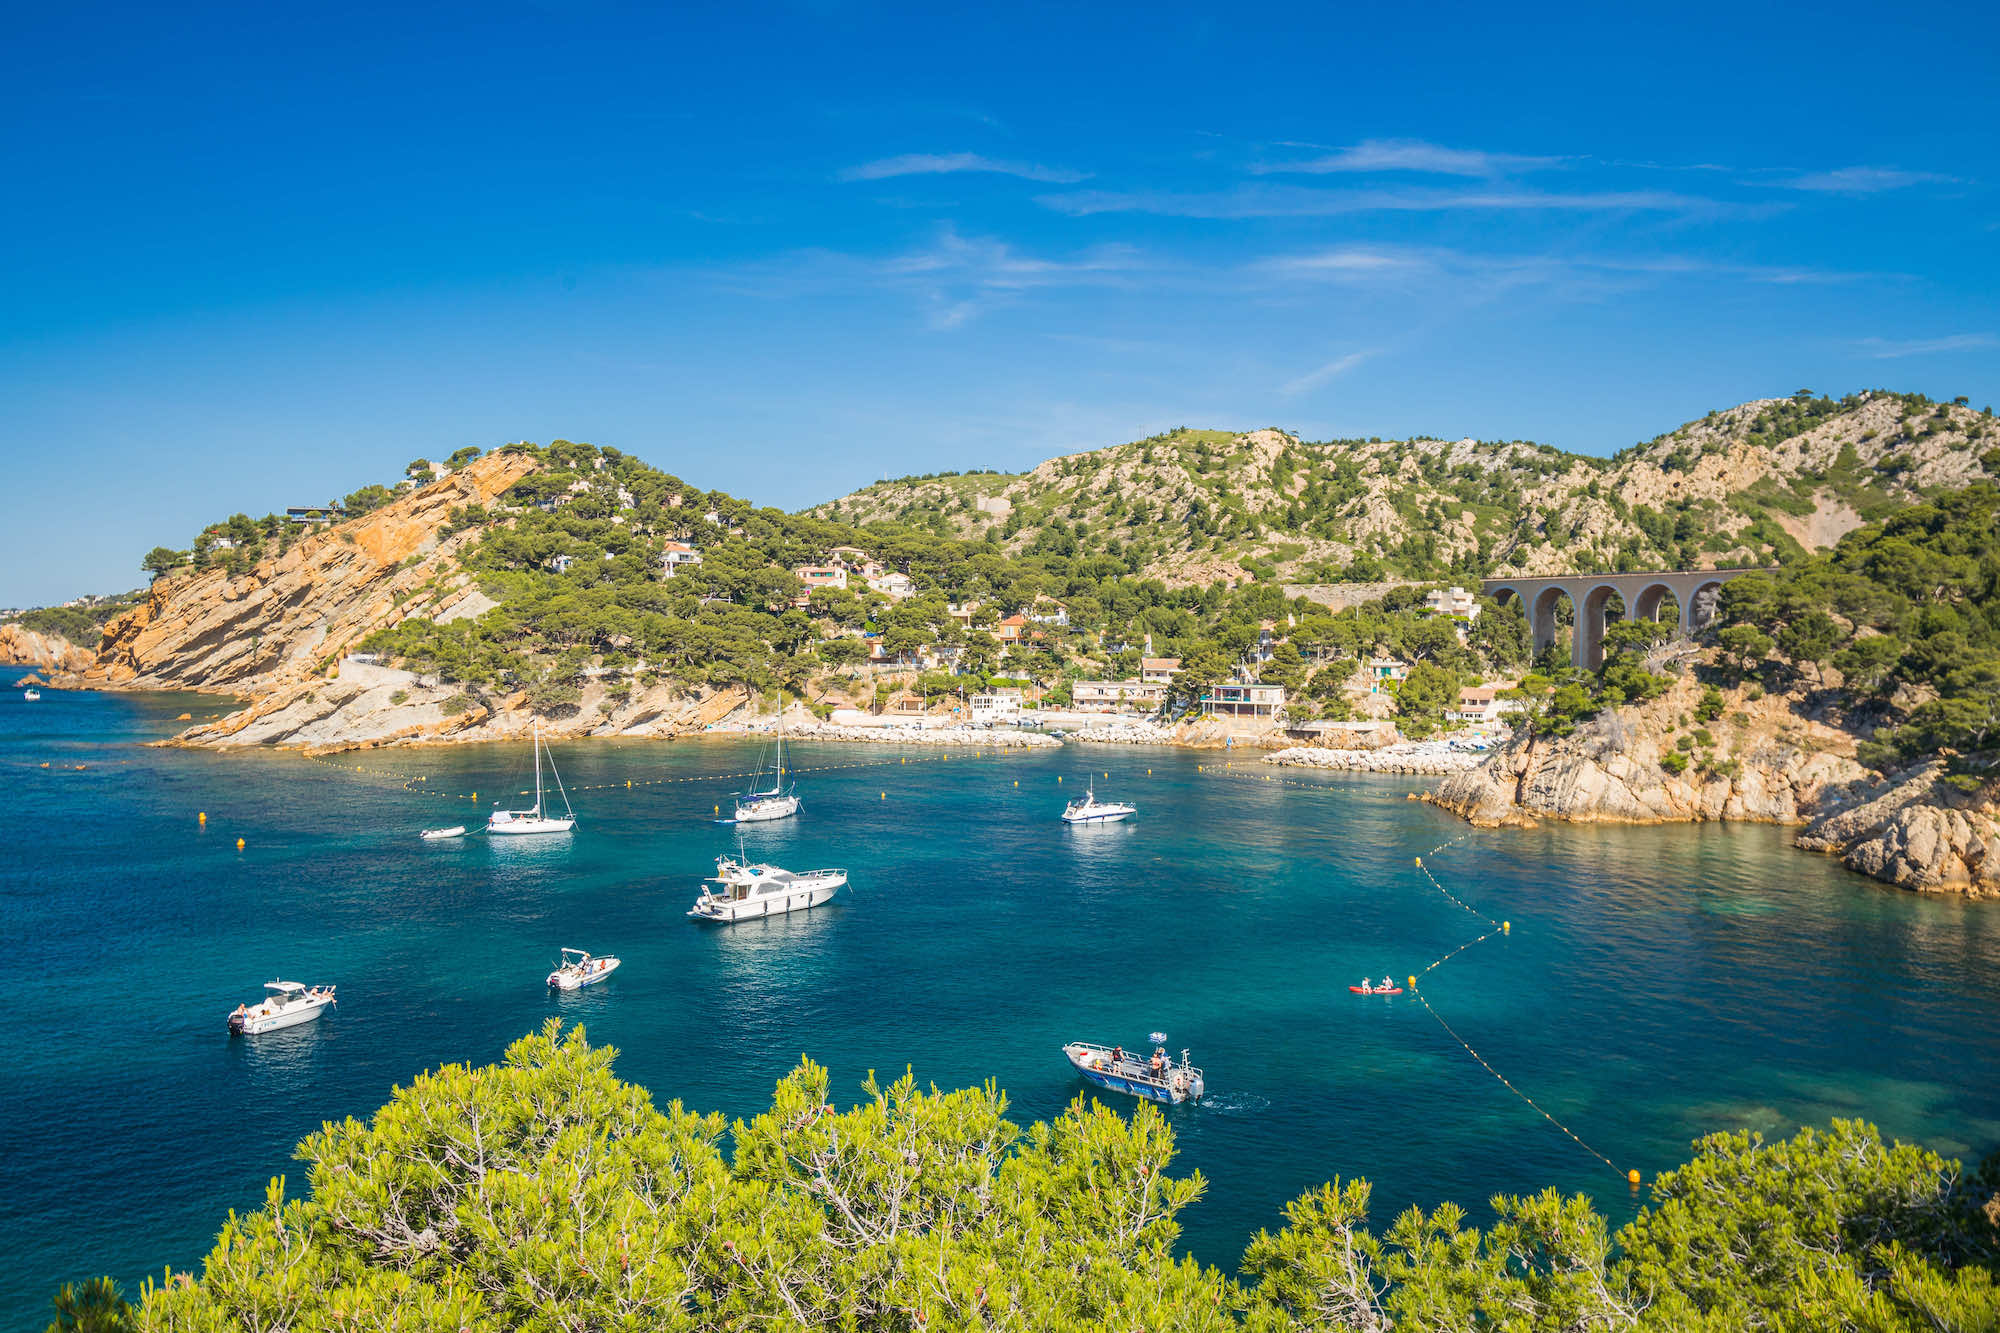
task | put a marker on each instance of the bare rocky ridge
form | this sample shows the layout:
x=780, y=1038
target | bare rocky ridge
x=1572, y=512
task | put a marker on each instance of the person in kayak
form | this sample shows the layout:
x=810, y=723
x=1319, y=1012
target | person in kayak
x=1366, y=985
x=1387, y=984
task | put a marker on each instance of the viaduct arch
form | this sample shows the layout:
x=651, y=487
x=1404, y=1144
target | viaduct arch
x=1642, y=595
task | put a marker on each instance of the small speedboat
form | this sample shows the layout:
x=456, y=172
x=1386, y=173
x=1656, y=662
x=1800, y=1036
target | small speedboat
x=1087, y=809
x=285, y=1004
x=1157, y=1079
x=31, y=695
x=579, y=969
x=440, y=834
x=742, y=890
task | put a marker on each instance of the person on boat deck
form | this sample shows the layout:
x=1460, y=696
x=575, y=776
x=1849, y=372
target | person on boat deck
x=1117, y=1052
x=1158, y=1064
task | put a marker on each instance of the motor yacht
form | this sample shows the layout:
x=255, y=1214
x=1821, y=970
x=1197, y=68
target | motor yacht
x=740, y=890
x=285, y=1004
x=1087, y=809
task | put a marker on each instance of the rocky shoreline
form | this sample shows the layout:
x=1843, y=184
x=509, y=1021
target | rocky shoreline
x=1414, y=758
x=977, y=738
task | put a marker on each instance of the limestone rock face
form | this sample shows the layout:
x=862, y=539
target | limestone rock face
x=50, y=654
x=275, y=625
x=1918, y=831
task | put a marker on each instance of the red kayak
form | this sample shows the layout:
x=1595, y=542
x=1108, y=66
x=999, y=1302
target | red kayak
x=1376, y=990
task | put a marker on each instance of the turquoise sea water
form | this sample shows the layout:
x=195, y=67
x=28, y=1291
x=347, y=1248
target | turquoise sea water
x=1657, y=984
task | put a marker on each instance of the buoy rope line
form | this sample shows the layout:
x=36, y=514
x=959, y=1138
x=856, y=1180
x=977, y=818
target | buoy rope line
x=420, y=782
x=1499, y=928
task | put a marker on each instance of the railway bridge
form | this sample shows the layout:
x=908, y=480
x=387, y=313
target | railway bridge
x=1644, y=596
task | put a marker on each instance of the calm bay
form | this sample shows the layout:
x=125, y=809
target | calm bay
x=1657, y=983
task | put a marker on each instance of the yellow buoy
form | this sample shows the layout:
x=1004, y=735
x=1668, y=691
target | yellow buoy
x=885, y=795
x=239, y=844
x=1058, y=777
x=1413, y=983
x=1107, y=775
x=475, y=796
x=201, y=818
x=1419, y=860
x=1017, y=782
x=1506, y=927
x=628, y=784
x=718, y=809
x=1633, y=1175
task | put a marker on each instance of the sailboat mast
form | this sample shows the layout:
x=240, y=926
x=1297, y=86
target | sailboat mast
x=538, y=768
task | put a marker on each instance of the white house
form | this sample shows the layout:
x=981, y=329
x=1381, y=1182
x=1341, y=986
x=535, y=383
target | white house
x=1002, y=705
x=560, y=563
x=1116, y=695
x=676, y=556
x=1048, y=611
x=1244, y=700
x=893, y=585
x=1453, y=601
x=1159, y=670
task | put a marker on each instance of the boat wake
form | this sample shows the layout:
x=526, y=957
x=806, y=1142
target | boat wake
x=1236, y=1103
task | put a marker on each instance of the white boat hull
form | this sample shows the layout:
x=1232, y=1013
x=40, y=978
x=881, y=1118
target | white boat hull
x=1100, y=817
x=799, y=895
x=775, y=807
x=571, y=978
x=517, y=827
x=263, y=1018
x=442, y=834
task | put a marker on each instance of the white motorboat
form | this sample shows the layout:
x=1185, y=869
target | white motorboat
x=285, y=1004
x=440, y=834
x=579, y=969
x=1157, y=1079
x=1089, y=810
x=779, y=801
x=535, y=819
x=31, y=695
x=742, y=890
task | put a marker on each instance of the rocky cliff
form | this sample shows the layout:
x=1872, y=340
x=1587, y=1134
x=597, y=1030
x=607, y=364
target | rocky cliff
x=50, y=654
x=290, y=616
x=1765, y=762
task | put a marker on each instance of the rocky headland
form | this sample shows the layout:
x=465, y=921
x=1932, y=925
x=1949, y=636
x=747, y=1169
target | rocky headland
x=1766, y=760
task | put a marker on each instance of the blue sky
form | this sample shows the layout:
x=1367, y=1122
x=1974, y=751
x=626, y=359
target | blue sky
x=258, y=256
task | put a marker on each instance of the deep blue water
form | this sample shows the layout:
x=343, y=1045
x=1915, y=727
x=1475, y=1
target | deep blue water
x=1657, y=984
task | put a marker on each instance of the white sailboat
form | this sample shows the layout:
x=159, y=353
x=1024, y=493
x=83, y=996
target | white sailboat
x=779, y=802
x=534, y=820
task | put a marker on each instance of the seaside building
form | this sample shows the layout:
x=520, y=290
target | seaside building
x=1244, y=700
x=1107, y=696
x=1010, y=632
x=995, y=706
x=677, y=556
x=1384, y=673
x=961, y=611
x=561, y=563
x=1159, y=670
x=1481, y=706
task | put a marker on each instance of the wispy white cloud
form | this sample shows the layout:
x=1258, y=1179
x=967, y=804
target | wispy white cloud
x=954, y=278
x=1411, y=155
x=1347, y=262
x=1887, y=349
x=944, y=164
x=1300, y=201
x=1332, y=370
x=1861, y=180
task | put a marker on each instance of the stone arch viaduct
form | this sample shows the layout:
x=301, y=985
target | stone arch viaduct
x=1644, y=596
